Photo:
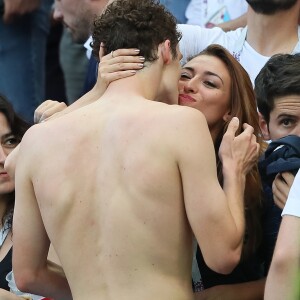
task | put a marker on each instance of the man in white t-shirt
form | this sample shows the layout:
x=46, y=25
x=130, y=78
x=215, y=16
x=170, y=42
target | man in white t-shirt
x=271, y=28
x=284, y=274
x=214, y=12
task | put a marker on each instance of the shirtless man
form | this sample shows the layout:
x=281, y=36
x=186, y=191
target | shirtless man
x=121, y=186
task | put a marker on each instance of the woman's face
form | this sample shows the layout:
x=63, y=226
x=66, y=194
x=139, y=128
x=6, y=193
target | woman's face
x=8, y=143
x=205, y=85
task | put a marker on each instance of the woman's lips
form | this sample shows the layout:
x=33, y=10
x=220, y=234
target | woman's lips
x=4, y=175
x=185, y=99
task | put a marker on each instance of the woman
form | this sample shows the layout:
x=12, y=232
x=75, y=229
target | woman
x=217, y=85
x=12, y=129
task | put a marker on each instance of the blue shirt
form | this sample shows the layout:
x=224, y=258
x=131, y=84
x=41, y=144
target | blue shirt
x=177, y=8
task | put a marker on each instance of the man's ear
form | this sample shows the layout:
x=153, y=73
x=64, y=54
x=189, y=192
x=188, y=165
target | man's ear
x=263, y=127
x=165, y=51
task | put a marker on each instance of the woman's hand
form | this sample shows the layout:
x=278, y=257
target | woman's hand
x=118, y=64
x=47, y=109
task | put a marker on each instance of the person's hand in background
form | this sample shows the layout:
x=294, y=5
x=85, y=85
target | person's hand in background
x=16, y=8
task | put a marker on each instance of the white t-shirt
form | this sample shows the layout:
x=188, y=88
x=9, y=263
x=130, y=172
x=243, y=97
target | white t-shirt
x=87, y=46
x=207, y=12
x=292, y=206
x=195, y=39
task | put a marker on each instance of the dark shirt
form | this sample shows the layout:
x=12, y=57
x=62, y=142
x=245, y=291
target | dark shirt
x=249, y=270
x=271, y=220
x=257, y=265
x=5, y=268
x=91, y=76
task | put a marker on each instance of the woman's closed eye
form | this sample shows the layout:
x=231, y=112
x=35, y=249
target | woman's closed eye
x=184, y=76
x=209, y=84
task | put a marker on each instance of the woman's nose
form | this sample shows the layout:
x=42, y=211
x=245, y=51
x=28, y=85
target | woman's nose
x=3, y=154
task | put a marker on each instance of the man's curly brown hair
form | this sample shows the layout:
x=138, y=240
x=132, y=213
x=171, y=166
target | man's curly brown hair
x=142, y=24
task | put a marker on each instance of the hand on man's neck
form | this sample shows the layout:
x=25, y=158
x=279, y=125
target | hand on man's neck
x=145, y=83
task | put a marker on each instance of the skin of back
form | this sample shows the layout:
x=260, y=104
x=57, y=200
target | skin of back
x=122, y=195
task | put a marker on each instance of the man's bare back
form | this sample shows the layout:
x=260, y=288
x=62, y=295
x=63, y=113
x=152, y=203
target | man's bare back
x=116, y=184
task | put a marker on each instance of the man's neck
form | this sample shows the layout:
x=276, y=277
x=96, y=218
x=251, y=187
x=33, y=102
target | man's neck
x=144, y=84
x=139, y=85
x=273, y=34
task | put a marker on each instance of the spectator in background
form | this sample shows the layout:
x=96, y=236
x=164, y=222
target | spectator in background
x=74, y=63
x=55, y=82
x=271, y=28
x=24, y=29
x=277, y=92
x=12, y=129
x=227, y=14
x=284, y=275
x=177, y=8
x=278, y=96
x=78, y=16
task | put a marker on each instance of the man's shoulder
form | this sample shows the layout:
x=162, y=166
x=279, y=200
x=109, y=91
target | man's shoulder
x=38, y=135
x=175, y=120
x=32, y=133
x=183, y=119
x=184, y=114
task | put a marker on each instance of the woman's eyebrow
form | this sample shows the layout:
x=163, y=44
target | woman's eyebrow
x=213, y=74
x=6, y=135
